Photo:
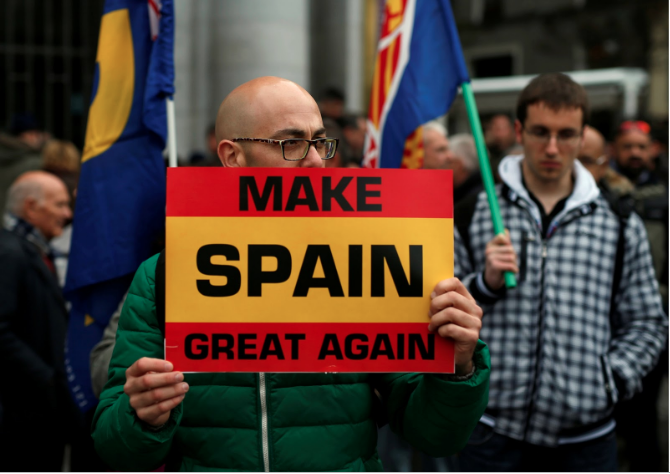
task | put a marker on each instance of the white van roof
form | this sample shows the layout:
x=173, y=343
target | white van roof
x=602, y=85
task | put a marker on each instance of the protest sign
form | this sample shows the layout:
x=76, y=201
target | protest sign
x=310, y=270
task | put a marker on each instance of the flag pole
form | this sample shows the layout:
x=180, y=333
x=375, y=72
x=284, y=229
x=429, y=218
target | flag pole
x=485, y=167
x=172, y=134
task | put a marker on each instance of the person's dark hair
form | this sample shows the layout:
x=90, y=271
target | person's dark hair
x=491, y=118
x=23, y=122
x=557, y=91
x=332, y=93
x=351, y=120
x=334, y=130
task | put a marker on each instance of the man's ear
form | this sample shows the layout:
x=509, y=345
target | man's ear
x=30, y=206
x=518, y=130
x=231, y=154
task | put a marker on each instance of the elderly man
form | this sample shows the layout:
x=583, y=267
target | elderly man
x=465, y=166
x=615, y=187
x=149, y=414
x=435, y=146
x=38, y=410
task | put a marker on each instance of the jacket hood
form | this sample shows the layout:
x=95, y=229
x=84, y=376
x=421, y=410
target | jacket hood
x=584, y=192
x=618, y=183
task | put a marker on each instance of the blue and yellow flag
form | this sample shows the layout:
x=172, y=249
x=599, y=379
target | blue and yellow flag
x=120, y=208
x=418, y=71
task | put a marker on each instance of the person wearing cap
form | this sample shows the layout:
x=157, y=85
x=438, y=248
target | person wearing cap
x=634, y=158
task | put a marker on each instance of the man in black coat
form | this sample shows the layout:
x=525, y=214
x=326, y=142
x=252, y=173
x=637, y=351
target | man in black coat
x=38, y=409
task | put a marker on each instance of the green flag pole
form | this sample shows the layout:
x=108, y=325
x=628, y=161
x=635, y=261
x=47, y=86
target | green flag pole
x=485, y=167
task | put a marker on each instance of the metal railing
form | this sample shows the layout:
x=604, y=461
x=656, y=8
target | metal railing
x=47, y=54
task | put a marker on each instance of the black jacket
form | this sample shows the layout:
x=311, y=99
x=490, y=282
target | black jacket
x=33, y=326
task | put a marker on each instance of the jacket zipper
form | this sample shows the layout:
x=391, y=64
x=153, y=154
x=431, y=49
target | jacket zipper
x=538, y=353
x=264, y=422
x=533, y=392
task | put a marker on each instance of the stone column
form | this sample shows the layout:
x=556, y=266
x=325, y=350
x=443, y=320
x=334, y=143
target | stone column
x=193, y=74
x=336, y=37
x=255, y=38
x=219, y=44
x=658, y=62
x=354, y=66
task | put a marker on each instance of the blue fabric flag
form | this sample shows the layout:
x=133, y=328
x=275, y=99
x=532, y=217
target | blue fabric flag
x=419, y=68
x=120, y=208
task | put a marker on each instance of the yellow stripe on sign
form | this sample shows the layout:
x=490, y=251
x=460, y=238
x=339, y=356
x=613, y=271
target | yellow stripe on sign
x=186, y=235
x=116, y=81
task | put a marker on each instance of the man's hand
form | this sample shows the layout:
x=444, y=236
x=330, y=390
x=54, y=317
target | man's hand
x=154, y=390
x=454, y=314
x=500, y=257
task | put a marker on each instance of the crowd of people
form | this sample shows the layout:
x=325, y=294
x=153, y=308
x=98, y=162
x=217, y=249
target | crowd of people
x=578, y=350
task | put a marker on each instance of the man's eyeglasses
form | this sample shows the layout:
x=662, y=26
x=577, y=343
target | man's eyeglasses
x=628, y=125
x=567, y=137
x=295, y=149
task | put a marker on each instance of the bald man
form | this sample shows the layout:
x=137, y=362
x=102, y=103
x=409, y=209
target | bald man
x=149, y=414
x=38, y=410
x=593, y=157
x=592, y=154
x=436, y=154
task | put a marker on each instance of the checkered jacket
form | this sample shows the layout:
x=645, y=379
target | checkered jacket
x=557, y=364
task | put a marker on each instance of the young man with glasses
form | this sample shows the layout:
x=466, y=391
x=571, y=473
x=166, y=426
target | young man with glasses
x=149, y=414
x=576, y=335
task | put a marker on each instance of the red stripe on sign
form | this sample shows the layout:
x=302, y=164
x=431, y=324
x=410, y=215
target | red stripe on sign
x=343, y=192
x=311, y=347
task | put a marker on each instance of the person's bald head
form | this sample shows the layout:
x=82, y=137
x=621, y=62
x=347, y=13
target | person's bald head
x=592, y=154
x=42, y=200
x=435, y=146
x=267, y=108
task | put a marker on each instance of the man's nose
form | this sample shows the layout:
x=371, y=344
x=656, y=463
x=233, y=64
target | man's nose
x=552, y=146
x=312, y=160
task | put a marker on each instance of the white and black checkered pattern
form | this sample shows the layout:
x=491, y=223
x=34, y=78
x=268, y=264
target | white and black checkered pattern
x=555, y=365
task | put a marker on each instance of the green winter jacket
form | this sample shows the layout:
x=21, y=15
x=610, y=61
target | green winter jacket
x=305, y=422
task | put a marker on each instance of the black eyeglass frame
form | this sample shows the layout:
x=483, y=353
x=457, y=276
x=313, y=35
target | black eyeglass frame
x=281, y=143
x=561, y=139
